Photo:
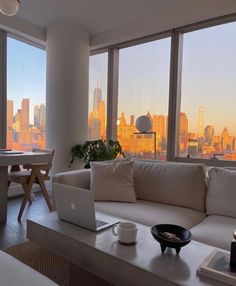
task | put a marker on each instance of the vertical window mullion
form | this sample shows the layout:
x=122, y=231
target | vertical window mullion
x=3, y=96
x=174, y=95
x=112, y=93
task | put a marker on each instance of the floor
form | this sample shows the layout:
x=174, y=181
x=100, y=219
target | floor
x=14, y=232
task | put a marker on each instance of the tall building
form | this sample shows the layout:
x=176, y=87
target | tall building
x=209, y=134
x=158, y=125
x=97, y=97
x=183, y=132
x=97, y=118
x=17, y=120
x=24, y=135
x=24, y=114
x=234, y=145
x=225, y=140
x=10, y=120
x=132, y=120
x=10, y=113
x=201, y=122
x=42, y=117
x=37, y=116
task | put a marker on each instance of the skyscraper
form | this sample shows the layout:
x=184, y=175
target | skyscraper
x=37, y=116
x=42, y=117
x=225, y=141
x=183, y=132
x=24, y=135
x=209, y=134
x=10, y=120
x=201, y=122
x=158, y=125
x=24, y=124
x=97, y=118
x=97, y=97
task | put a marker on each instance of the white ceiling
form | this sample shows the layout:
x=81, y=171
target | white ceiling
x=96, y=16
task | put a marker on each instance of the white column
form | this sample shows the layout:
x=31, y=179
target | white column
x=67, y=90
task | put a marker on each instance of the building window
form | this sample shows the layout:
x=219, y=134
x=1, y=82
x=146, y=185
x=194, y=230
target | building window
x=144, y=90
x=208, y=93
x=26, y=90
x=97, y=96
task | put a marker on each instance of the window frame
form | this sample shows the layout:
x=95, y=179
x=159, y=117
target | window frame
x=3, y=79
x=174, y=84
x=3, y=89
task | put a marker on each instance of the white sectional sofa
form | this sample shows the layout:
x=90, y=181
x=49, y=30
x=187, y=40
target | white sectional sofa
x=13, y=272
x=174, y=193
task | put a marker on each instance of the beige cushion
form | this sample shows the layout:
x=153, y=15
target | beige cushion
x=171, y=183
x=215, y=230
x=113, y=181
x=78, y=178
x=14, y=272
x=150, y=213
x=221, y=193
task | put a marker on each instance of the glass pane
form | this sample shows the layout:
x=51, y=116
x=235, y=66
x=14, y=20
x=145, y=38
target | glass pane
x=97, y=96
x=144, y=90
x=208, y=102
x=26, y=90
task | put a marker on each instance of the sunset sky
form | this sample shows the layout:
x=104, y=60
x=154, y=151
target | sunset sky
x=208, y=78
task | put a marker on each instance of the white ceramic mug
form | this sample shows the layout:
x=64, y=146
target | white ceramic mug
x=126, y=232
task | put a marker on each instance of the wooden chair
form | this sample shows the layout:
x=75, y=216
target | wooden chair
x=29, y=175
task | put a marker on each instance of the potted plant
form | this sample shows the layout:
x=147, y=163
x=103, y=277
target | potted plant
x=97, y=150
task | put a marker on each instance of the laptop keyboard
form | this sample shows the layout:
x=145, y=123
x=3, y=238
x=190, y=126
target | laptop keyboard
x=100, y=223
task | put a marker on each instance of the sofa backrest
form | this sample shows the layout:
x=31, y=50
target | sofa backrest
x=221, y=192
x=176, y=184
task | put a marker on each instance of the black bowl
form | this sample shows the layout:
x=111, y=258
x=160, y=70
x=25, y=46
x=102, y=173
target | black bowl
x=182, y=233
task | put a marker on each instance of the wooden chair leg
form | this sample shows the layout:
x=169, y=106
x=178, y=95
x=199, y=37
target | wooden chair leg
x=26, y=194
x=43, y=188
x=24, y=187
x=8, y=184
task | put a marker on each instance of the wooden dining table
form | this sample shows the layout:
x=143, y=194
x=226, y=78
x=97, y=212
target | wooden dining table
x=11, y=158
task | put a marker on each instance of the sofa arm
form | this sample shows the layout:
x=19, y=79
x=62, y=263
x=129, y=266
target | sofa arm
x=78, y=178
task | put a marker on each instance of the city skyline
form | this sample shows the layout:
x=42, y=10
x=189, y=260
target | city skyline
x=201, y=144
x=21, y=134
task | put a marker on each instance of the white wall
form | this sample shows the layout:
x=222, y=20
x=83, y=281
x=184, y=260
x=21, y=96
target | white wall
x=191, y=12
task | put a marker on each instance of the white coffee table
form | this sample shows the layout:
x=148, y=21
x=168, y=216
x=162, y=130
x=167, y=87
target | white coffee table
x=104, y=261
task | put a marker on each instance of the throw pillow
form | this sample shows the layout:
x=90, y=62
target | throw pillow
x=113, y=181
x=221, y=193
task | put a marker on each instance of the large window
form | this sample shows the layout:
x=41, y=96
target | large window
x=26, y=91
x=97, y=96
x=202, y=69
x=208, y=94
x=144, y=90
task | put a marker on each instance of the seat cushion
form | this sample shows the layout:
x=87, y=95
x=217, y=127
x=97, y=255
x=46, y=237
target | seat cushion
x=221, y=193
x=14, y=272
x=171, y=183
x=19, y=174
x=215, y=230
x=150, y=213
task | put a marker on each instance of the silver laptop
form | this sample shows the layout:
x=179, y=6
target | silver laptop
x=76, y=205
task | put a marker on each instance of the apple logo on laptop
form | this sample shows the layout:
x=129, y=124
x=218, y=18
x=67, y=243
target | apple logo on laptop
x=73, y=206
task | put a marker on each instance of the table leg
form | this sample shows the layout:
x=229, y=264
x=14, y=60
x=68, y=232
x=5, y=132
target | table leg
x=3, y=194
x=79, y=276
